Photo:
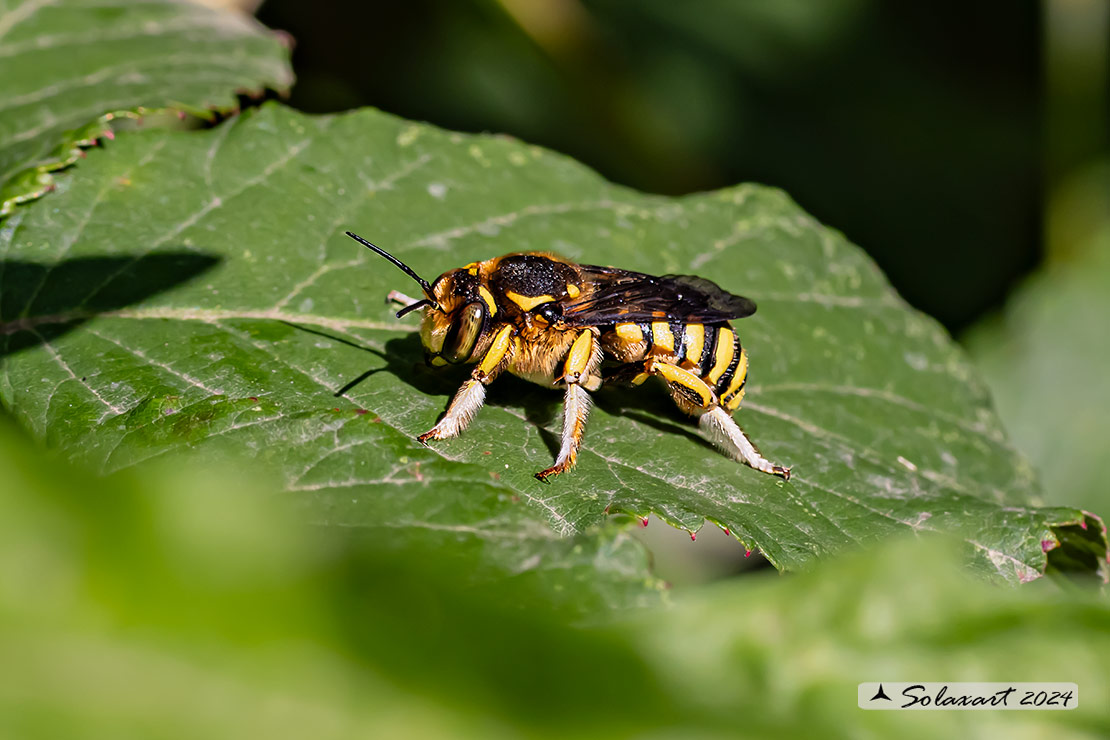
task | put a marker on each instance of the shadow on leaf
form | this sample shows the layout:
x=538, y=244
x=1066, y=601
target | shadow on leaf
x=40, y=302
x=404, y=359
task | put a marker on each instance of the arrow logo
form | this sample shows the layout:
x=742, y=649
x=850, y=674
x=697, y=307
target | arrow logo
x=881, y=694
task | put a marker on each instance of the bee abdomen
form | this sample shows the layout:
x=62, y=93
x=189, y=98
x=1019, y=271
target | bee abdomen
x=724, y=365
x=711, y=351
x=670, y=339
x=732, y=395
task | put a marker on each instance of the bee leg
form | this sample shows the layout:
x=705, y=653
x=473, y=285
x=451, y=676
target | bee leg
x=468, y=399
x=472, y=394
x=694, y=396
x=579, y=373
x=727, y=434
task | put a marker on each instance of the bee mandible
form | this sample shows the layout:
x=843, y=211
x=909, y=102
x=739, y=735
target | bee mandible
x=561, y=324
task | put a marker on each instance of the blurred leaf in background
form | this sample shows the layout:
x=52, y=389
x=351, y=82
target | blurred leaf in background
x=1077, y=126
x=1046, y=355
x=1046, y=358
x=128, y=609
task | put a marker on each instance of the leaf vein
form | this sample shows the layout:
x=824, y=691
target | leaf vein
x=73, y=376
x=187, y=378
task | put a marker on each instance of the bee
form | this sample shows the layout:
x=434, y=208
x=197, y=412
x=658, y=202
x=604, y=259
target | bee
x=577, y=327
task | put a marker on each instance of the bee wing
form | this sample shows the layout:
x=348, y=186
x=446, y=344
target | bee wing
x=615, y=296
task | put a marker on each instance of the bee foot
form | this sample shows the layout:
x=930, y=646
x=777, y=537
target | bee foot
x=428, y=435
x=544, y=475
x=781, y=472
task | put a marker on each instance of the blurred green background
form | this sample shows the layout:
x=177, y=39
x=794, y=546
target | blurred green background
x=965, y=146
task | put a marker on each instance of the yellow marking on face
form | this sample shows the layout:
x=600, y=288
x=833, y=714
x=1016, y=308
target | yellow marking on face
x=497, y=349
x=527, y=303
x=573, y=291
x=639, y=379
x=580, y=353
x=472, y=268
x=695, y=341
x=685, y=378
x=487, y=298
x=661, y=335
x=739, y=376
x=630, y=333
x=438, y=361
x=723, y=354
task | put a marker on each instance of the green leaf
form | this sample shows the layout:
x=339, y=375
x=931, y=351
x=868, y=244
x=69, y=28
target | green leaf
x=878, y=411
x=128, y=606
x=70, y=66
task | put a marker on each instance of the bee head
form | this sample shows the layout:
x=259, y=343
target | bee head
x=453, y=331
x=456, y=318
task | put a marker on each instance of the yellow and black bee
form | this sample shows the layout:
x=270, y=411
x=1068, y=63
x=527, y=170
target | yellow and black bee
x=555, y=322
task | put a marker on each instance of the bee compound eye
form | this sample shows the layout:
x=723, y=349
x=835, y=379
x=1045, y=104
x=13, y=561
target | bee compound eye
x=464, y=333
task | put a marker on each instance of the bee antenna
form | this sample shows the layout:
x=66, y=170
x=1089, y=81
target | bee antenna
x=413, y=306
x=404, y=268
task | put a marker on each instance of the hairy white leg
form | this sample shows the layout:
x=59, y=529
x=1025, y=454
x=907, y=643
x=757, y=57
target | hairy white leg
x=578, y=373
x=576, y=408
x=462, y=409
x=720, y=427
